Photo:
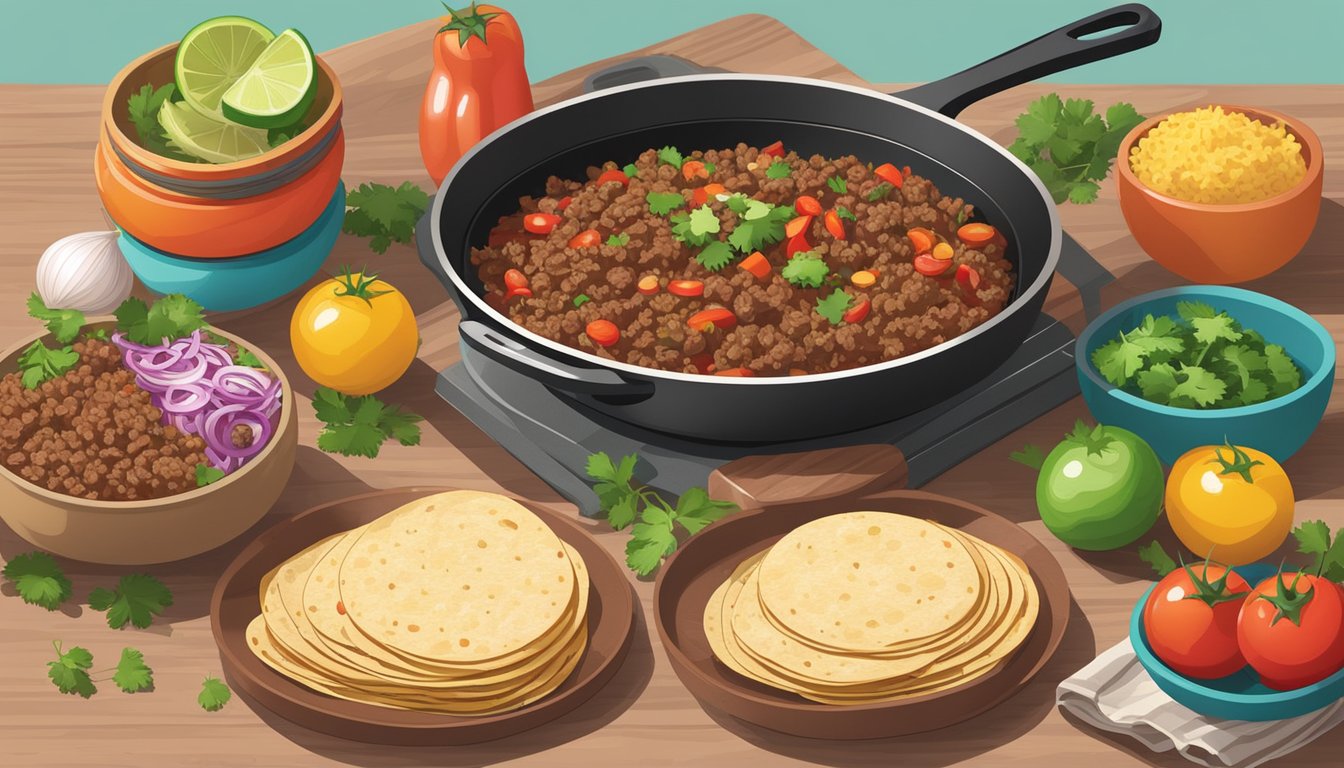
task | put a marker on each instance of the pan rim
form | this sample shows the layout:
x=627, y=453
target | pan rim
x=551, y=347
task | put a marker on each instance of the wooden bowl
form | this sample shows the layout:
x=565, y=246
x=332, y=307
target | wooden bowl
x=205, y=210
x=611, y=622
x=1208, y=243
x=156, y=530
x=827, y=483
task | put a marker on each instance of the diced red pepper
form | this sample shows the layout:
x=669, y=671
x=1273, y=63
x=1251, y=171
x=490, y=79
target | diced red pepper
x=588, y=238
x=807, y=205
x=742, y=372
x=615, y=175
x=857, y=312
x=890, y=174
x=776, y=149
x=604, y=333
x=515, y=279
x=834, y=225
x=968, y=279
x=564, y=203
x=797, y=244
x=686, y=288
x=928, y=266
x=797, y=226
x=712, y=317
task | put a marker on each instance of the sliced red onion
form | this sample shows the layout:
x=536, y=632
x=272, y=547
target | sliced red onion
x=187, y=398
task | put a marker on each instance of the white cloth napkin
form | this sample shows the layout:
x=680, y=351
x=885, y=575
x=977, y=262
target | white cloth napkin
x=1115, y=694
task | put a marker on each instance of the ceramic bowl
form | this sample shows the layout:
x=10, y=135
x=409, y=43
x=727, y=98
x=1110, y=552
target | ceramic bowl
x=208, y=210
x=1241, y=695
x=156, y=530
x=243, y=282
x=1206, y=243
x=1278, y=427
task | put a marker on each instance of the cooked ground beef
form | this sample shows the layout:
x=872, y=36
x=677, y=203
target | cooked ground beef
x=605, y=247
x=92, y=433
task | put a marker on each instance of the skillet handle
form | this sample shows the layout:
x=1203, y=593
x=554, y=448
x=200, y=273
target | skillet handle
x=552, y=373
x=1053, y=52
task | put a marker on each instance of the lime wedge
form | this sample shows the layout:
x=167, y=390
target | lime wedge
x=213, y=55
x=278, y=88
x=215, y=141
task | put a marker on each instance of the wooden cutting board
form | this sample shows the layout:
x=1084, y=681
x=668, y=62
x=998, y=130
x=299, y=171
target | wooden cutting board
x=47, y=136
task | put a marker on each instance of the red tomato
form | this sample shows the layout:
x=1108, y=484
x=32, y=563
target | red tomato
x=540, y=223
x=1291, y=631
x=613, y=175
x=588, y=238
x=1192, y=623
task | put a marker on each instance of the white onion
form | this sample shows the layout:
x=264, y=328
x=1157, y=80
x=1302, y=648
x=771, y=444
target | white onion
x=86, y=272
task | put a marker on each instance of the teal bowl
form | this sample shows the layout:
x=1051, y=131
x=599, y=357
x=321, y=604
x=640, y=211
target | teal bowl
x=241, y=282
x=1279, y=427
x=1239, y=696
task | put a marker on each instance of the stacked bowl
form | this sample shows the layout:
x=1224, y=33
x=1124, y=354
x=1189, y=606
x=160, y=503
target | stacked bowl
x=230, y=236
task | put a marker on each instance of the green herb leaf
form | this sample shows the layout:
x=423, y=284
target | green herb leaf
x=64, y=324
x=581, y=299
x=1153, y=554
x=614, y=491
x=630, y=170
x=206, y=474
x=214, y=695
x=879, y=192
x=834, y=306
x=1030, y=455
x=710, y=168
x=170, y=317
x=1189, y=310
x=1209, y=330
x=838, y=185
x=756, y=234
x=671, y=156
x=1199, y=385
x=39, y=363
x=663, y=203
x=698, y=234
x=70, y=671
x=1068, y=147
x=805, y=270
x=778, y=170
x=38, y=579
x=715, y=256
x=1314, y=538
x=845, y=213
x=132, y=673
x=738, y=203
x=695, y=510
x=1285, y=372
x=137, y=599
x=384, y=214
x=245, y=357
x=1158, y=382
x=358, y=426
x=703, y=221
x=647, y=548
x=618, y=240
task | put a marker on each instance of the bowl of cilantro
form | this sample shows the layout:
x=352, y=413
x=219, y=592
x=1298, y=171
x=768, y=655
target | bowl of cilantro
x=1201, y=365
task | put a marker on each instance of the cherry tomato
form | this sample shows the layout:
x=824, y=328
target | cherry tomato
x=564, y=203
x=807, y=205
x=540, y=223
x=613, y=175
x=1191, y=620
x=976, y=234
x=1291, y=630
x=776, y=149
x=856, y=313
x=834, y=225
x=929, y=266
x=686, y=288
x=711, y=318
x=588, y=238
x=797, y=226
x=515, y=279
x=922, y=239
x=890, y=174
x=604, y=333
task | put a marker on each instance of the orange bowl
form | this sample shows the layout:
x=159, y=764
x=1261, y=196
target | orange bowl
x=216, y=210
x=1209, y=243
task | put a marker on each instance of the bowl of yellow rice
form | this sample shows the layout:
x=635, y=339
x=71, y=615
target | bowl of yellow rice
x=1223, y=193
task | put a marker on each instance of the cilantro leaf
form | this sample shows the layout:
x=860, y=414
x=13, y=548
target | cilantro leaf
x=697, y=233
x=838, y=185
x=70, y=671
x=879, y=192
x=401, y=425
x=834, y=306
x=613, y=489
x=695, y=510
x=1153, y=554
x=1189, y=310
x=1037, y=124
x=132, y=673
x=630, y=170
x=40, y=363
x=1157, y=383
x=1199, y=385
x=1313, y=538
x=715, y=256
x=1212, y=329
x=778, y=170
x=170, y=317
x=1068, y=147
x=805, y=270
x=142, y=107
x=671, y=156
x=383, y=213
x=246, y=358
x=845, y=213
x=137, y=599
x=663, y=203
x=1286, y=375
x=38, y=579
x=755, y=234
x=1245, y=362
x=206, y=474
x=64, y=324
x=703, y=221
x=621, y=239
x=214, y=695
x=1083, y=192
x=645, y=553
x=133, y=319
x=1030, y=455
x=358, y=426
x=710, y=168
x=738, y=203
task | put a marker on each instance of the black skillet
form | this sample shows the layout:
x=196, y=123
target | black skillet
x=914, y=127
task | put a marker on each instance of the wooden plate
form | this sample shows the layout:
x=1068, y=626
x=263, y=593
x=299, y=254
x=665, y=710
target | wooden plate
x=700, y=565
x=611, y=613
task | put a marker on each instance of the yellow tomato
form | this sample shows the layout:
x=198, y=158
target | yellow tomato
x=354, y=333
x=1232, y=504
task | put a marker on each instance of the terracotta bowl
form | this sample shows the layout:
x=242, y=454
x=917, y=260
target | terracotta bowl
x=1206, y=243
x=206, y=210
x=157, y=530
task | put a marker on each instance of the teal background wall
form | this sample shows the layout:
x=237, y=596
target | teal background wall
x=1203, y=41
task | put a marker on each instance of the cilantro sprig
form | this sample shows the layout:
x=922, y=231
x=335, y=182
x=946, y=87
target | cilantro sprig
x=1068, y=147
x=137, y=599
x=838, y=185
x=805, y=270
x=1154, y=555
x=169, y=317
x=671, y=156
x=697, y=228
x=383, y=213
x=834, y=306
x=663, y=203
x=214, y=694
x=38, y=579
x=358, y=426
x=142, y=107
x=1314, y=538
x=652, y=521
x=778, y=170
x=38, y=362
x=1204, y=359
x=72, y=672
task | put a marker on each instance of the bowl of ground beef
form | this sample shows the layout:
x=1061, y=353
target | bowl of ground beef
x=90, y=470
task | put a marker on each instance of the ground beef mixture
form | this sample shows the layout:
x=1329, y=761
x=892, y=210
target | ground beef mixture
x=600, y=271
x=92, y=433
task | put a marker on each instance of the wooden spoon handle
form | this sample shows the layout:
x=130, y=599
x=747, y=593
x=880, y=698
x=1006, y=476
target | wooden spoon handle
x=753, y=482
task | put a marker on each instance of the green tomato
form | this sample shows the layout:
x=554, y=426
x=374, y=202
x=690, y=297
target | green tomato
x=1101, y=488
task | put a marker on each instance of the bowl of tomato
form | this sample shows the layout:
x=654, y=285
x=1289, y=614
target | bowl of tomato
x=1226, y=656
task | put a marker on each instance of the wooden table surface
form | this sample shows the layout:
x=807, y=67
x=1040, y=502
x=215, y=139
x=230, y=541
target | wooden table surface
x=47, y=136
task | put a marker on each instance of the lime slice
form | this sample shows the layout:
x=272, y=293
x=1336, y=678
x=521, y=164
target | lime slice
x=278, y=88
x=213, y=55
x=215, y=141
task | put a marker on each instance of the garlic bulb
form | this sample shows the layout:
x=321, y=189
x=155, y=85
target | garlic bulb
x=85, y=272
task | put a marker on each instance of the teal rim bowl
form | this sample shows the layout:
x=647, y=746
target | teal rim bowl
x=1279, y=427
x=240, y=282
x=1239, y=696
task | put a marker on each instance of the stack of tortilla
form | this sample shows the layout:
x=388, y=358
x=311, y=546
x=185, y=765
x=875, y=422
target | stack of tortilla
x=866, y=607
x=463, y=603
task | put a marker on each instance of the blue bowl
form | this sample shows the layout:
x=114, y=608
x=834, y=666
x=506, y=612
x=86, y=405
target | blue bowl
x=1278, y=427
x=242, y=282
x=1239, y=696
